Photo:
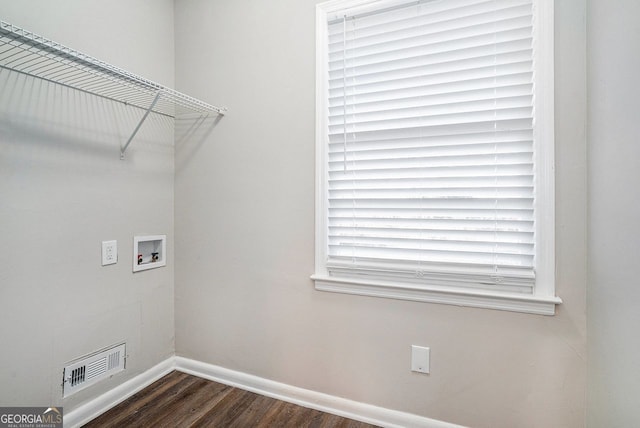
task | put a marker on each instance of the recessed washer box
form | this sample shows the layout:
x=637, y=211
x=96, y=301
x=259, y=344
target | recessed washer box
x=149, y=252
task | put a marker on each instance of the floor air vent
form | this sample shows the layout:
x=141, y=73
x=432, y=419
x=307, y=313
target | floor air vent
x=92, y=368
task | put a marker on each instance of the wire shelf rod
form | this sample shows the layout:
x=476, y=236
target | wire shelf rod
x=87, y=92
x=35, y=56
x=39, y=57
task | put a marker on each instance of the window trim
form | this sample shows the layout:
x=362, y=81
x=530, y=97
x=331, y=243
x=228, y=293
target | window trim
x=543, y=300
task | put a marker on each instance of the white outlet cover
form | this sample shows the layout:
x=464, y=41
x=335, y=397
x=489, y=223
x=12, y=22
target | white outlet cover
x=419, y=359
x=109, y=252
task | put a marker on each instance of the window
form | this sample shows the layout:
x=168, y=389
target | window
x=435, y=151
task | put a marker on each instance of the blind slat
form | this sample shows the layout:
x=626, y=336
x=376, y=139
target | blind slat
x=446, y=214
x=429, y=146
x=504, y=86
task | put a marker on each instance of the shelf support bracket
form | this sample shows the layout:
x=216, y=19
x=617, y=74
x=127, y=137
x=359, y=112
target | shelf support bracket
x=144, y=117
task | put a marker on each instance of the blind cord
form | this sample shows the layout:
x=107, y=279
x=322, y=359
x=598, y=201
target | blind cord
x=344, y=93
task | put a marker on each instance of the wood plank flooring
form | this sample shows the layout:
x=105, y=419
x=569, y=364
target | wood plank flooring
x=181, y=400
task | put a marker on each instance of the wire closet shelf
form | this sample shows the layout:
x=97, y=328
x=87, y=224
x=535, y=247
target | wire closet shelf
x=33, y=55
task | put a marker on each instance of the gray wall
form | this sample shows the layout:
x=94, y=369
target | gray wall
x=244, y=218
x=64, y=190
x=614, y=213
x=244, y=222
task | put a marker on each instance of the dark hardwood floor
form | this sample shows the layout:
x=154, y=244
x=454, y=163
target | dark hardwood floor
x=181, y=400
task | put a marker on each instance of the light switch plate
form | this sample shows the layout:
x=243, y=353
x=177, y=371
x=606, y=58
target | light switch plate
x=109, y=252
x=419, y=359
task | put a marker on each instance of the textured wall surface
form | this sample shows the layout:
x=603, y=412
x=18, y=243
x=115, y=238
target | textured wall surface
x=244, y=223
x=614, y=210
x=64, y=189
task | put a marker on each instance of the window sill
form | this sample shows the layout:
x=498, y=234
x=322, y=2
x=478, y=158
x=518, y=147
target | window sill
x=540, y=305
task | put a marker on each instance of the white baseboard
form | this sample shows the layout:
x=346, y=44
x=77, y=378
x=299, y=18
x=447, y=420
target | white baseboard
x=311, y=399
x=292, y=394
x=109, y=399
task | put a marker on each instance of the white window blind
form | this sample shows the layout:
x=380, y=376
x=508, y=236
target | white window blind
x=430, y=175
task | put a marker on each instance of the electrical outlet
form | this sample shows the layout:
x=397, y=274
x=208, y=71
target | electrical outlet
x=419, y=359
x=109, y=252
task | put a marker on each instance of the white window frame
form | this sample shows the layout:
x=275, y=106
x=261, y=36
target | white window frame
x=543, y=299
